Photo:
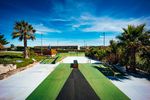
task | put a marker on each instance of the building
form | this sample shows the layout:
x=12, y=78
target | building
x=69, y=47
x=52, y=50
x=88, y=47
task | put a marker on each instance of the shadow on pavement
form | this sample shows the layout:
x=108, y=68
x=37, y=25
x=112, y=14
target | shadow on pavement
x=110, y=74
x=123, y=77
x=140, y=75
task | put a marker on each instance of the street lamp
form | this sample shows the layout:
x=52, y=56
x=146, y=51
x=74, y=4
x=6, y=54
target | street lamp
x=104, y=38
x=41, y=44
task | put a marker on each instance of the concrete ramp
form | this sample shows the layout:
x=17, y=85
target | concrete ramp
x=79, y=59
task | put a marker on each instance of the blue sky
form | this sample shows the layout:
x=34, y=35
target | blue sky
x=73, y=22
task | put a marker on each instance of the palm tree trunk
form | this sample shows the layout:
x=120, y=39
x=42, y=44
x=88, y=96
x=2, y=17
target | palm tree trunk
x=25, y=47
x=116, y=57
x=133, y=60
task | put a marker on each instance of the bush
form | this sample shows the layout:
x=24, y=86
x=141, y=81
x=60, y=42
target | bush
x=19, y=48
x=97, y=53
x=11, y=58
x=24, y=63
x=6, y=61
x=31, y=53
x=107, y=71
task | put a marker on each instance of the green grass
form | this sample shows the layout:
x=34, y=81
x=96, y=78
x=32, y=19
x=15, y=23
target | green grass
x=63, y=55
x=47, y=61
x=101, y=85
x=72, y=54
x=12, y=57
x=51, y=86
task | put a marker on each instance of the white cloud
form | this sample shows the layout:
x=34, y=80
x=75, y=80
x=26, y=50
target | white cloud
x=59, y=19
x=80, y=24
x=41, y=29
x=107, y=24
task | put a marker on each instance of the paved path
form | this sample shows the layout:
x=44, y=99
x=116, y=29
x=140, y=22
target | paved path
x=21, y=84
x=79, y=59
x=134, y=88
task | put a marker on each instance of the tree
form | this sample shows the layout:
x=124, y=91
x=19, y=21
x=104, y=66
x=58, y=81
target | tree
x=145, y=50
x=23, y=31
x=3, y=41
x=130, y=41
x=12, y=46
x=114, y=50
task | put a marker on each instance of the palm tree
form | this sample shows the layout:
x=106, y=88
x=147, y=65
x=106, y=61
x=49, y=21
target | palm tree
x=113, y=45
x=114, y=49
x=3, y=41
x=130, y=41
x=23, y=31
x=145, y=50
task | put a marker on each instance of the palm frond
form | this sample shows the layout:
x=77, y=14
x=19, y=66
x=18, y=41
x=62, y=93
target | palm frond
x=21, y=28
x=21, y=38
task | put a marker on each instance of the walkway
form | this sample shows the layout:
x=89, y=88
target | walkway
x=79, y=59
x=135, y=88
x=21, y=84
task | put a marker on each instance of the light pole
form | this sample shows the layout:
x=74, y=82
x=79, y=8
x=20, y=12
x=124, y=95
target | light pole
x=84, y=44
x=57, y=42
x=104, y=38
x=41, y=44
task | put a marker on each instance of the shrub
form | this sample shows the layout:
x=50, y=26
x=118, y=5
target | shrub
x=24, y=63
